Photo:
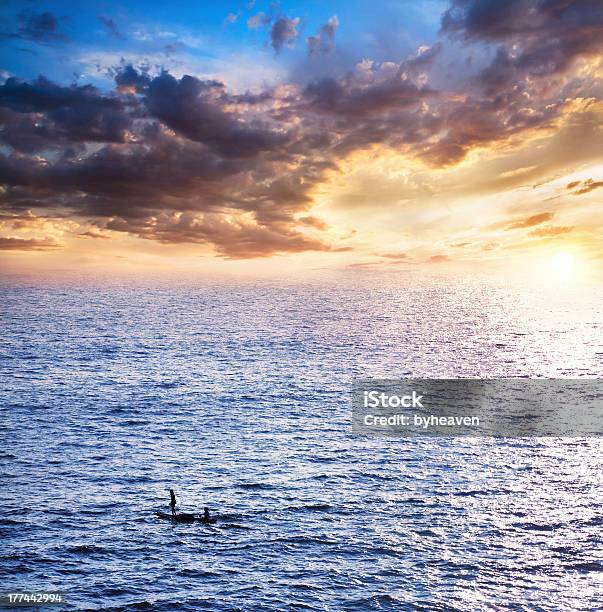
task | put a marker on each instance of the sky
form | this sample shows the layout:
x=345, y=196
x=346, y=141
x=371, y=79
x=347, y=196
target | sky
x=254, y=136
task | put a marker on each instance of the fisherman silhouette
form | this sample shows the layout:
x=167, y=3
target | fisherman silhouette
x=173, y=501
x=185, y=517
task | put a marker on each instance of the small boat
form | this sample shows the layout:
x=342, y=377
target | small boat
x=185, y=517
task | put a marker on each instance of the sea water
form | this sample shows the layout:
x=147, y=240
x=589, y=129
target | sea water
x=236, y=394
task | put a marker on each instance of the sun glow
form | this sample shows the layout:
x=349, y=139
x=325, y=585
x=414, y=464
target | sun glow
x=568, y=268
x=563, y=265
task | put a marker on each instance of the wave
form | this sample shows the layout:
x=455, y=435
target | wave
x=585, y=566
x=255, y=485
x=312, y=507
x=82, y=549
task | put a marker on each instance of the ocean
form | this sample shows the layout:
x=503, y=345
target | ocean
x=236, y=394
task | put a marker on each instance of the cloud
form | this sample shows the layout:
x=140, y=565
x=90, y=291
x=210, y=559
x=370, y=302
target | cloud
x=364, y=264
x=38, y=27
x=232, y=238
x=94, y=234
x=323, y=43
x=584, y=186
x=198, y=166
x=172, y=146
x=9, y=243
x=355, y=99
x=438, y=259
x=284, y=32
x=313, y=221
x=536, y=38
x=531, y=221
x=176, y=158
x=395, y=256
x=110, y=26
x=41, y=114
x=489, y=19
x=258, y=20
x=231, y=18
x=130, y=80
x=394, y=104
x=193, y=108
x=550, y=230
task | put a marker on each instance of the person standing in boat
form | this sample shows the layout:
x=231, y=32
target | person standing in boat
x=173, y=501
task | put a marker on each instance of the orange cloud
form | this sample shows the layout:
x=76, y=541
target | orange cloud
x=586, y=186
x=438, y=259
x=531, y=221
x=550, y=230
x=12, y=243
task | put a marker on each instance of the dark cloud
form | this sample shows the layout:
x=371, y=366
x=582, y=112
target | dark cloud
x=27, y=244
x=42, y=114
x=193, y=108
x=117, y=179
x=284, y=32
x=283, y=29
x=351, y=98
x=128, y=78
x=527, y=20
x=423, y=59
x=479, y=121
x=42, y=95
x=531, y=221
x=39, y=27
x=536, y=38
x=323, y=43
x=584, y=186
x=489, y=19
x=193, y=170
x=110, y=26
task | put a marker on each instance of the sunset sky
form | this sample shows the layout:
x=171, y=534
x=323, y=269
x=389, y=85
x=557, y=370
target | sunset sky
x=297, y=135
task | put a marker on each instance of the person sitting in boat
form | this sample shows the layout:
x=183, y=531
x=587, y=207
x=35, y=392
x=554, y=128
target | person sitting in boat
x=173, y=501
x=206, y=518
